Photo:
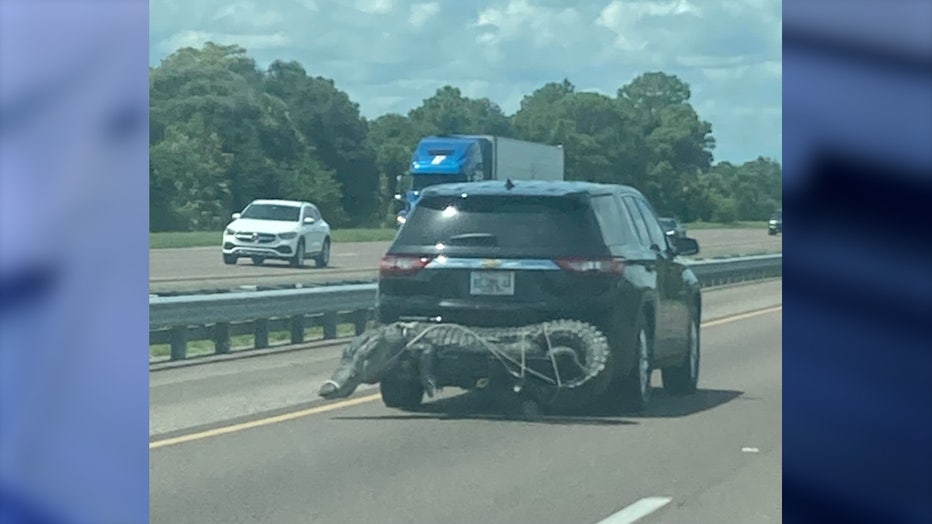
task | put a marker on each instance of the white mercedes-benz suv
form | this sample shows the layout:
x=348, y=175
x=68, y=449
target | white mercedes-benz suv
x=278, y=229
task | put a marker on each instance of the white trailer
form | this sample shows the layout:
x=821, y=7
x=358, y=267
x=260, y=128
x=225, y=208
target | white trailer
x=521, y=160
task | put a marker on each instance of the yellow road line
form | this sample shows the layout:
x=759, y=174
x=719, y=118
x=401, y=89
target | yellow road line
x=741, y=316
x=364, y=400
x=262, y=422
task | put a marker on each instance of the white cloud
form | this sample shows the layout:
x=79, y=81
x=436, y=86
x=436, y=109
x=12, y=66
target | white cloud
x=198, y=38
x=375, y=6
x=389, y=55
x=422, y=13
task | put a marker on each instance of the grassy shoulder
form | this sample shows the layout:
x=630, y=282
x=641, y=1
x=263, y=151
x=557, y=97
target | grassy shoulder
x=761, y=224
x=212, y=238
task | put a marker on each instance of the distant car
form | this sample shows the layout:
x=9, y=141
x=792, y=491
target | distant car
x=672, y=228
x=776, y=223
x=278, y=229
x=486, y=254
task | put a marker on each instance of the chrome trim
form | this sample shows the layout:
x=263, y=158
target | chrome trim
x=442, y=262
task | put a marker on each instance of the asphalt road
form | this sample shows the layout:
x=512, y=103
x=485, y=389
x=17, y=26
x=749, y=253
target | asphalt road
x=190, y=269
x=714, y=457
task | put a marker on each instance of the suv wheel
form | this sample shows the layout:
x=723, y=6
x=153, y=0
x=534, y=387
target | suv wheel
x=684, y=378
x=298, y=259
x=229, y=260
x=399, y=392
x=323, y=259
x=638, y=386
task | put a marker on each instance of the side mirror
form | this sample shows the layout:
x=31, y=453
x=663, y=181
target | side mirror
x=686, y=246
x=235, y=216
x=308, y=220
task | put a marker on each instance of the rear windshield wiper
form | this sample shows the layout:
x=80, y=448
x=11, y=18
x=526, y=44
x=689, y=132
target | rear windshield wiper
x=484, y=239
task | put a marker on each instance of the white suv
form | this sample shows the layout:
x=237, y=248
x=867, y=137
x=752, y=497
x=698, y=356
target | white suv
x=279, y=229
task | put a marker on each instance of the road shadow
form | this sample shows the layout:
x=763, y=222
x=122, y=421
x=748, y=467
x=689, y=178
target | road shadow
x=284, y=265
x=481, y=406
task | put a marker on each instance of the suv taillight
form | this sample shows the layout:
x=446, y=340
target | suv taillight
x=393, y=265
x=592, y=265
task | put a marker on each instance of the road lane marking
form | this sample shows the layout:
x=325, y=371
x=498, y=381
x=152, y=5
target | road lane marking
x=262, y=422
x=369, y=398
x=742, y=316
x=637, y=511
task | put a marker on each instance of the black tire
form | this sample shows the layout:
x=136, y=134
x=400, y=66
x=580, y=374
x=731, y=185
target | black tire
x=771, y=232
x=323, y=259
x=298, y=259
x=258, y=260
x=229, y=260
x=401, y=393
x=626, y=390
x=684, y=378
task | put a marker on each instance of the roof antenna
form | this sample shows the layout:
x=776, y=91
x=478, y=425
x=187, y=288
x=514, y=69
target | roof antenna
x=509, y=185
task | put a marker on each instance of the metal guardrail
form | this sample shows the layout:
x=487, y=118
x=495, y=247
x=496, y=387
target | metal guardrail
x=218, y=317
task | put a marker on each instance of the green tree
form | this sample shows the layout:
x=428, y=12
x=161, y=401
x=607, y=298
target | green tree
x=449, y=112
x=334, y=126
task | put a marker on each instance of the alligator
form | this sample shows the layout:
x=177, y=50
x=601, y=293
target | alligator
x=564, y=359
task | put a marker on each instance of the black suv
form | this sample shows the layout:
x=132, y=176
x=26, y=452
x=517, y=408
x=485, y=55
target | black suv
x=495, y=254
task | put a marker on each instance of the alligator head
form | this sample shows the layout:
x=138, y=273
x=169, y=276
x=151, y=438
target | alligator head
x=365, y=360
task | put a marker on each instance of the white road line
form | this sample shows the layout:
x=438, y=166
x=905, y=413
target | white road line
x=637, y=511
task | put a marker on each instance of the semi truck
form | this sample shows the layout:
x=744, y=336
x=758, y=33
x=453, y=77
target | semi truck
x=467, y=158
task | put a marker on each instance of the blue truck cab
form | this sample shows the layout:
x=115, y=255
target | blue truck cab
x=469, y=158
x=441, y=160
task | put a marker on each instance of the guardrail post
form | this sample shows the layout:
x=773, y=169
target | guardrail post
x=330, y=325
x=297, y=329
x=222, y=338
x=360, y=319
x=178, y=337
x=261, y=332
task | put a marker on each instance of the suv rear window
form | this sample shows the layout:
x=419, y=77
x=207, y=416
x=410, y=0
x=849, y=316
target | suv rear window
x=522, y=223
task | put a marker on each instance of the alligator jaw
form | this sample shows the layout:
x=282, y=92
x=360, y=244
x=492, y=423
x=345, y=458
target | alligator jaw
x=331, y=390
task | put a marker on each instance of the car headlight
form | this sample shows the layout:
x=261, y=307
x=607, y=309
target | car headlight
x=773, y=222
x=229, y=232
x=287, y=236
x=400, y=219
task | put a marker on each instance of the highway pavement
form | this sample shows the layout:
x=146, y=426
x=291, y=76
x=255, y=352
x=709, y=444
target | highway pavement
x=246, y=441
x=192, y=269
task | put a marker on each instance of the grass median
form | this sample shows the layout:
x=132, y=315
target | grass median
x=169, y=240
x=182, y=239
x=201, y=348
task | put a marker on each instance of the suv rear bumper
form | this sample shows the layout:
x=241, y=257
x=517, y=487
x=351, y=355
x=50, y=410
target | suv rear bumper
x=409, y=308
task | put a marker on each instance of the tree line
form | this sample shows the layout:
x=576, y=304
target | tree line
x=224, y=132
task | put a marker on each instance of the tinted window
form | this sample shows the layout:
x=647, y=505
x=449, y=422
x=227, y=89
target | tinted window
x=525, y=223
x=615, y=227
x=638, y=221
x=271, y=212
x=653, y=228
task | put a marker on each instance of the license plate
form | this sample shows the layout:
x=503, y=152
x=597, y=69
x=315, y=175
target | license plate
x=495, y=283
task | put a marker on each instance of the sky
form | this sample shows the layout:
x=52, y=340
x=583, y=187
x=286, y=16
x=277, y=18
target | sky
x=389, y=55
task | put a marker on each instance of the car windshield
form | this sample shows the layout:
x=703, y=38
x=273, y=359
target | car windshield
x=667, y=223
x=280, y=212
x=507, y=221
